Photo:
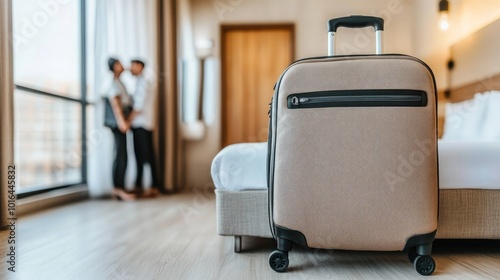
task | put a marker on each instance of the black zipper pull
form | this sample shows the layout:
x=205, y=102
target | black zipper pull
x=296, y=101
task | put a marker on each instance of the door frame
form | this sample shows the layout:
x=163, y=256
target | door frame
x=224, y=28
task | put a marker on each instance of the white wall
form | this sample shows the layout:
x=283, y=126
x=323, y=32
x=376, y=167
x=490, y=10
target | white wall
x=411, y=28
x=310, y=19
x=476, y=57
x=433, y=45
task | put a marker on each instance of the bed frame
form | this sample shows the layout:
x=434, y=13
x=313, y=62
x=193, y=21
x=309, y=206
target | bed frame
x=463, y=213
x=472, y=213
x=242, y=213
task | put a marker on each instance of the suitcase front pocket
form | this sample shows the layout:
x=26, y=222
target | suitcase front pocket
x=358, y=98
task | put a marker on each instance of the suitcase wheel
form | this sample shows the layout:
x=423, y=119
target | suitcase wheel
x=278, y=260
x=424, y=265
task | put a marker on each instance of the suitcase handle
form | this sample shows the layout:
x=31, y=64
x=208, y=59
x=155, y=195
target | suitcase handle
x=355, y=22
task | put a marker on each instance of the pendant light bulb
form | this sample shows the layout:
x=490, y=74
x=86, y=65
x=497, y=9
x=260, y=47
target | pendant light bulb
x=444, y=8
x=443, y=21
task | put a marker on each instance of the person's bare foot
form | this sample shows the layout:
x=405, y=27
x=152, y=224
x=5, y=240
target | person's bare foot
x=120, y=194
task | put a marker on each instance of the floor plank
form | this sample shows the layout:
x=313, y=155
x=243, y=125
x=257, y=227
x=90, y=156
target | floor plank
x=174, y=237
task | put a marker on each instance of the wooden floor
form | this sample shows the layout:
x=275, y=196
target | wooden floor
x=174, y=237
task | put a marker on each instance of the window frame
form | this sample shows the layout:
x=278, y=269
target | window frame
x=82, y=101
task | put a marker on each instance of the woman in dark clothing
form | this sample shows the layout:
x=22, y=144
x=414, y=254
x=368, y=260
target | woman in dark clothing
x=120, y=101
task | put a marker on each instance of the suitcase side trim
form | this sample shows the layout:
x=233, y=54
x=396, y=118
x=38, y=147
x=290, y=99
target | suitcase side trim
x=268, y=164
x=298, y=238
x=421, y=240
x=292, y=235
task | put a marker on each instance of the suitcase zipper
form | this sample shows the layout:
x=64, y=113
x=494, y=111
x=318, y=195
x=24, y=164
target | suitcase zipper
x=358, y=98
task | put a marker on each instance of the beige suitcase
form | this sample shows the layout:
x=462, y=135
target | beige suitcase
x=352, y=161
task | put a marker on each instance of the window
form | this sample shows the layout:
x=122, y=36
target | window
x=50, y=97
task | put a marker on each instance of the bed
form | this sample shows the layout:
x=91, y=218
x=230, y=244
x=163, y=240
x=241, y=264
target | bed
x=469, y=157
x=469, y=206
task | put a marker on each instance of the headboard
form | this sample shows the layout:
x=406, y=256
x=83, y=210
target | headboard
x=477, y=63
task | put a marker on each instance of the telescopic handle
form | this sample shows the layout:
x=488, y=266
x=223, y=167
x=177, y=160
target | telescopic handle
x=355, y=22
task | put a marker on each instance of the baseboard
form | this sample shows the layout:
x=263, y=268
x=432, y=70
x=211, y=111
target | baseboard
x=51, y=199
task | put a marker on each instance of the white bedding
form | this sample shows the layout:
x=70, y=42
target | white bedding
x=473, y=120
x=462, y=165
x=469, y=165
x=241, y=167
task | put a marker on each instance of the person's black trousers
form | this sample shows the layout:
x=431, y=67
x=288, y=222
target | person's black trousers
x=143, y=148
x=120, y=161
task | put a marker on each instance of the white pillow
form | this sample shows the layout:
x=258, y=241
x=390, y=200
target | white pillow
x=477, y=119
x=491, y=125
x=462, y=120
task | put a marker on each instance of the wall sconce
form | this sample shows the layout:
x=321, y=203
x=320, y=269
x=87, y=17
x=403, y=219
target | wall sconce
x=450, y=65
x=204, y=48
x=444, y=8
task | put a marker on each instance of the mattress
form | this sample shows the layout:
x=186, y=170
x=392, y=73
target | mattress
x=469, y=165
x=240, y=167
x=462, y=165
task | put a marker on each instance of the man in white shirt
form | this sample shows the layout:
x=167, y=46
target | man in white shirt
x=141, y=121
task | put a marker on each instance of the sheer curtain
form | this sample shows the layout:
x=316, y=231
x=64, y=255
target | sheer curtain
x=6, y=108
x=125, y=29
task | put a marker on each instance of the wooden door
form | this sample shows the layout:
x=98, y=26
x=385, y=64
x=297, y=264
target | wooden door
x=253, y=57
